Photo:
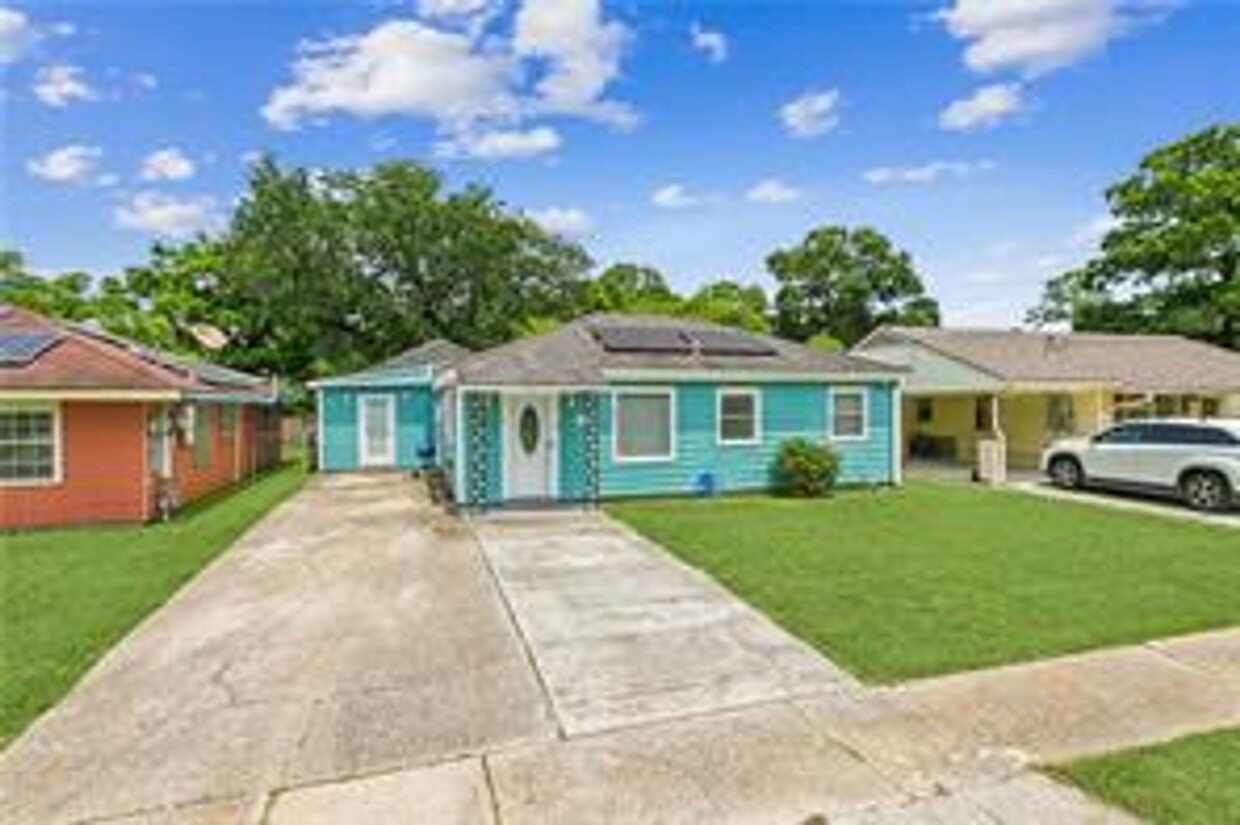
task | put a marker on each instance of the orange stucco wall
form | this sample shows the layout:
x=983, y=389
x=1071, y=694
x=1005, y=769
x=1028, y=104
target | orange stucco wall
x=104, y=475
x=233, y=455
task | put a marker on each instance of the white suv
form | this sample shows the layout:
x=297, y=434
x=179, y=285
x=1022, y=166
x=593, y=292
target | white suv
x=1196, y=460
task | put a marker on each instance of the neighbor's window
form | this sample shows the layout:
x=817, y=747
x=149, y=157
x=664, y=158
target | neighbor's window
x=925, y=410
x=643, y=426
x=848, y=414
x=1060, y=414
x=28, y=445
x=228, y=421
x=202, y=436
x=738, y=417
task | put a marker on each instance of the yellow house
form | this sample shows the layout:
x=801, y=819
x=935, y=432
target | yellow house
x=1019, y=390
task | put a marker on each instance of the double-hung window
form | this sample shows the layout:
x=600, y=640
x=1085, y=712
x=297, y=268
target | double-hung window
x=644, y=426
x=848, y=414
x=29, y=445
x=739, y=417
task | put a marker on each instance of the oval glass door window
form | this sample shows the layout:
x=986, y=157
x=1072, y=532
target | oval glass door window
x=527, y=428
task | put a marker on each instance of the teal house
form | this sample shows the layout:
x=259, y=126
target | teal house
x=384, y=416
x=610, y=406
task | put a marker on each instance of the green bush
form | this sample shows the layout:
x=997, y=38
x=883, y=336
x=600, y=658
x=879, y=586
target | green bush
x=805, y=468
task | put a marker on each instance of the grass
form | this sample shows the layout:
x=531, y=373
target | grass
x=931, y=578
x=1190, y=781
x=69, y=595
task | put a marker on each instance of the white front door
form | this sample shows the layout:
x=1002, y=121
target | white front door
x=529, y=439
x=376, y=430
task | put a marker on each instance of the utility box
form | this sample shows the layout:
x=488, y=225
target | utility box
x=991, y=461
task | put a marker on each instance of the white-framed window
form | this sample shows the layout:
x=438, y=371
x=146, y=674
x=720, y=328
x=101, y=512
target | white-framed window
x=739, y=416
x=643, y=425
x=849, y=414
x=30, y=445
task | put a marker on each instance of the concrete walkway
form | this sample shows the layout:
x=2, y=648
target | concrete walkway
x=1125, y=501
x=356, y=658
x=624, y=634
x=354, y=631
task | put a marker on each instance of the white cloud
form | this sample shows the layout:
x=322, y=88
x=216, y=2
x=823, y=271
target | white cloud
x=167, y=164
x=74, y=163
x=567, y=222
x=16, y=34
x=676, y=196
x=500, y=145
x=583, y=52
x=61, y=84
x=812, y=114
x=160, y=214
x=772, y=190
x=1034, y=37
x=452, y=8
x=397, y=68
x=710, y=42
x=926, y=173
x=1091, y=232
x=988, y=106
x=145, y=80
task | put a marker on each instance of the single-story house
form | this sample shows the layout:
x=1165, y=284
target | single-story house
x=94, y=428
x=620, y=405
x=1022, y=389
x=382, y=417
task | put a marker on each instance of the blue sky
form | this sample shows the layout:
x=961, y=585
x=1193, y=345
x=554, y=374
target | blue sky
x=696, y=137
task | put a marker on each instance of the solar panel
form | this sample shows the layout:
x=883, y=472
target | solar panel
x=727, y=342
x=20, y=348
x=644, y=339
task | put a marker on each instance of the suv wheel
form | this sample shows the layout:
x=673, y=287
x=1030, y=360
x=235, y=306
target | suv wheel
x=1065, y=471
x=1205, y=490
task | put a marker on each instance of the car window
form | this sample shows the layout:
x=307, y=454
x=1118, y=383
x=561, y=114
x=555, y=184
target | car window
x=1213, y=436
x=1123, y=434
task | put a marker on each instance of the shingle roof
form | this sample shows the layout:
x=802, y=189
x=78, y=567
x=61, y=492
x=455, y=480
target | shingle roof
x=436, y=354
x=572, y=355
x=1139, y=363
x=81, y=358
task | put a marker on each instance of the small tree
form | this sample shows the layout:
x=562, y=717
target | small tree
x=805, y=468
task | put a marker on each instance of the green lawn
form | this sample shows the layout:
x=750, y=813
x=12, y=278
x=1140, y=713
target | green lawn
x=929, y=578
x=69, y=595
x=1191, y=781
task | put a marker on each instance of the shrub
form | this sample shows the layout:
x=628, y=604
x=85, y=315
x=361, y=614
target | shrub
x=805, y=468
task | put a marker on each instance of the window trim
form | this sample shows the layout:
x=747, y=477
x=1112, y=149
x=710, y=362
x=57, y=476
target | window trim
x=753, y=393
x=670, y=456
x=58, y=444
x=838, y=392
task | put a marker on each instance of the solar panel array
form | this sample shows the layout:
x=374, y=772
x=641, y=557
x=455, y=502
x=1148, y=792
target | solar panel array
x=676, y=341
x=20, y=348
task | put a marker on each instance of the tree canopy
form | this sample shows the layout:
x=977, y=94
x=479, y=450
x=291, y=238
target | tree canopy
x=1171, y=263
x=843, y=282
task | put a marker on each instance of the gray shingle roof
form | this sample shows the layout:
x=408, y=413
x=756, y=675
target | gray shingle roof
x=1140, y=363
x=437, y=354
x=572, y=355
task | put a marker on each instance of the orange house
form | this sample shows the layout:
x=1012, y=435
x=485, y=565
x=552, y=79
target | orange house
x=94, y=428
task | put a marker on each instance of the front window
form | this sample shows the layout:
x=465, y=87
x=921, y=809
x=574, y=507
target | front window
x=202, y=437
x=848, y=414
x=1060, y=414
x=29, y=445
x=643, y=426
x=738, y=417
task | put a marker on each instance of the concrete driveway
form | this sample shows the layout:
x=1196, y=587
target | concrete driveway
x=355, y=630
x=623, y=633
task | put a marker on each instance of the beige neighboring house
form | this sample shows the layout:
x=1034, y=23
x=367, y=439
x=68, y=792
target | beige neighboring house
x=1019, y=390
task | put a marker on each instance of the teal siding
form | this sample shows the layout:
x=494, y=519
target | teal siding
x=788, y=410
x=415, y=425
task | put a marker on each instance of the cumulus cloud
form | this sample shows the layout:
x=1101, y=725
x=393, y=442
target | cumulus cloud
x=926, y=173
x=676, y=196
x=16, y=34
x=1034, y=37
x=583, y=52
x=500, y=145
x=167, y=164
x=988, y=106
x=165, y=215
x=814, y=113
x=567, y=222
x=772, y=190
x=710, y=42
x=74, y=163
x=397, y=68
x=452, y=8
x=61, y=84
